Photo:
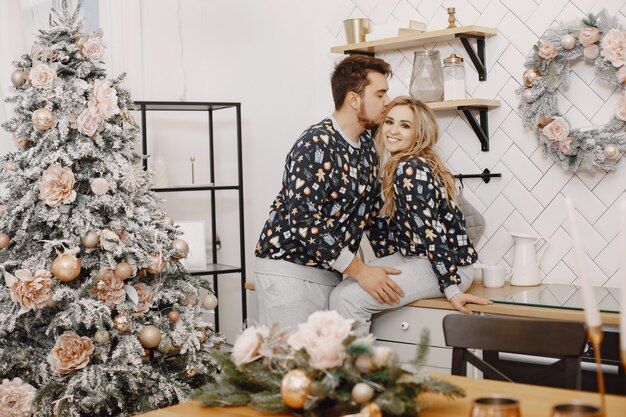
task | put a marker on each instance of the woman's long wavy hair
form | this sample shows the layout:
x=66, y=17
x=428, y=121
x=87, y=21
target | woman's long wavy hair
x=427, y=135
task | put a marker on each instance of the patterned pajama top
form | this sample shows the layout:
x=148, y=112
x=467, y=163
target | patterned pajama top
x=424, y=224
x=327, y=197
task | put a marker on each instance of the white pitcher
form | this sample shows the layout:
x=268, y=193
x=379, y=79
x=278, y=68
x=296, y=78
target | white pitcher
x=525, y=260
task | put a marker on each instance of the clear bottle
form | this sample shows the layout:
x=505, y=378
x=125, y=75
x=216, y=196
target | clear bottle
x=427, y=77
x=453, y=78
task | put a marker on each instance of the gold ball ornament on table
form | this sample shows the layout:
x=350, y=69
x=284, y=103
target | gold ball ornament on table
x=157, y=263
x=123, y=270
x=530, y=76
x=173, y=316
x=611, y=151
x=568, y=41
x=4, y=240
x=362, y=393
x=102, y=337
x=19, y=77
x=181, y=249
x=66, y=267
x=90, y=240
x=43, y=119
x=150, y=336
x=294, y=388
x=121, y=323
x=209, y=301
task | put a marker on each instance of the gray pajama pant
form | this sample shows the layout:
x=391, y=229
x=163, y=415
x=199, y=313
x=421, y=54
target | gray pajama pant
x=417, y=280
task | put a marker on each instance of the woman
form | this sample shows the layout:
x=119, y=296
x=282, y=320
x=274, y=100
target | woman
x=420, y=230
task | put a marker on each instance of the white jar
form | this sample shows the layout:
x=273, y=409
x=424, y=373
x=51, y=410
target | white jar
x=453, y=78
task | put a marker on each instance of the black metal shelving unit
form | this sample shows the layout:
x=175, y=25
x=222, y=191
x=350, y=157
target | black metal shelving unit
x=215, y=268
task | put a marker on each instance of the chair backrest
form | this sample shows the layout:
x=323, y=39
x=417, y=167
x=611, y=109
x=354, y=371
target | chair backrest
x=564, y=340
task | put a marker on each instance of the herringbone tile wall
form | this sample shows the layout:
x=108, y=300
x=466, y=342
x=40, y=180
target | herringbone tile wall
x=529, y=196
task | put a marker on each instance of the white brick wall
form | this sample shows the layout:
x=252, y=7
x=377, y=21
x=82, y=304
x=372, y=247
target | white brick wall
x=529, y=196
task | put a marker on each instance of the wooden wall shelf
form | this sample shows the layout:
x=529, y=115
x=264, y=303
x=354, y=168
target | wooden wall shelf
x=470, y=102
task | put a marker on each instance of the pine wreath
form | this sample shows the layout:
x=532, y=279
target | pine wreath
x=600, y=41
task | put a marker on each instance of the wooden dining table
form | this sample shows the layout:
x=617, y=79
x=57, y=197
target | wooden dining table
x=535, y=401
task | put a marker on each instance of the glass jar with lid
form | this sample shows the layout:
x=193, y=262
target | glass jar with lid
x=453, y=78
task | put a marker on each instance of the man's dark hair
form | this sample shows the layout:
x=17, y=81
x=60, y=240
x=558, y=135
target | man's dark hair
x=351, y=75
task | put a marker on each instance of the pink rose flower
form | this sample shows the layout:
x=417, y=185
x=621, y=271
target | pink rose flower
x=621, y=74
x=620, y=108
x=557, y=129
x=246, y=347
x=588, y=36
x=87, y=123
x=547, y=51
x=41, y=76
x=109, y=240
x=614, y=47
x=103, y=102
x=39, y=53
x=16, y=398
x=565, y=145
x=109, y=288
x=322, y=337
x=31, y=292
x=71, y=352
x=145, y=296
x=57, y=186
x=93, y=48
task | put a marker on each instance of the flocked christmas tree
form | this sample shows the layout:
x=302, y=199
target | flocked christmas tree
x=97, y=315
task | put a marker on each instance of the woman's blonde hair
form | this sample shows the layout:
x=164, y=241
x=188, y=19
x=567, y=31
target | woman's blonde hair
x=426, y=136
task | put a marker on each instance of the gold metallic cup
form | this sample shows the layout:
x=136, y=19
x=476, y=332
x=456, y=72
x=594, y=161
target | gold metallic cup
x=356, y=29
x=495, y=406
x=576, y=410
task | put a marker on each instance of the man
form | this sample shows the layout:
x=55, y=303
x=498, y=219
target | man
x=328, y=193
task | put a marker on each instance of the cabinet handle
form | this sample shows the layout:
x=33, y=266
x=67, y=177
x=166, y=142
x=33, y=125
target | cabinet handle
x=404, y=325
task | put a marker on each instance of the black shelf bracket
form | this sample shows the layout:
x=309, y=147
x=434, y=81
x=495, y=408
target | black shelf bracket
x=360, y=53
x=476, y=55
x=481, y=127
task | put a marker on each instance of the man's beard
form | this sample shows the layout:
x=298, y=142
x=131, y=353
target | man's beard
x=364, y=120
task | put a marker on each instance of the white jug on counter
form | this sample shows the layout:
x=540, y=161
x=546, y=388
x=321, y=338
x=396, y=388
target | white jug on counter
x=525, y=260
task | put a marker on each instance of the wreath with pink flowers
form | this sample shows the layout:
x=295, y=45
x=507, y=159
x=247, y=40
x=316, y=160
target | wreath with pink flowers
x=597, y=40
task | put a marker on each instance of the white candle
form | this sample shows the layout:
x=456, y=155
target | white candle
x=622, y=316
x=592, y=315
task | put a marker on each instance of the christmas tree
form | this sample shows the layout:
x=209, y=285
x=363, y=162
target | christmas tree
x=97, y=315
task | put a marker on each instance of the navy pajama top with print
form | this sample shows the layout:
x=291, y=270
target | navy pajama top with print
x=327, y=196
x=424, y=224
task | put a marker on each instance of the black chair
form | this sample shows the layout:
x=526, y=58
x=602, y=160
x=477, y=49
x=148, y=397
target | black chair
x=563, y=340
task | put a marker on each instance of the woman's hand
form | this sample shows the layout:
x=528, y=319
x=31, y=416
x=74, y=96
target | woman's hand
x=459, y=301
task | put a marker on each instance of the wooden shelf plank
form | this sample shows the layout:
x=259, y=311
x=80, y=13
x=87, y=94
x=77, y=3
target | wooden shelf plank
x=414, y=40
x=454, y=104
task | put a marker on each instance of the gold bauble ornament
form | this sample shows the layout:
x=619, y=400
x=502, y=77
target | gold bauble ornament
x=173, y=316
x=294, y=388
x=19, y=77
x=181, y=249
x=209, y=301
x=123, y=270
x=527, y=95
x=362, y=393
x=188, y=299
x=90, y=240
x=611, y=151
x=568, y=41
x=190, y=371
x=102, y=337
x=150, y=336
x=66, y=267
x=165, y=345
x=99, y=186
x=121, y=323
x=201, y=334
x=530, y=76
x=157, y=263
x=43, y=119
x=371, y=410
x=4, y=240
x=9, y=165
x=168, y=220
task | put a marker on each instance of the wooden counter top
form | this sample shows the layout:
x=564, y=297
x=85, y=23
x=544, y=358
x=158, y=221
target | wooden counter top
x=514, y=309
